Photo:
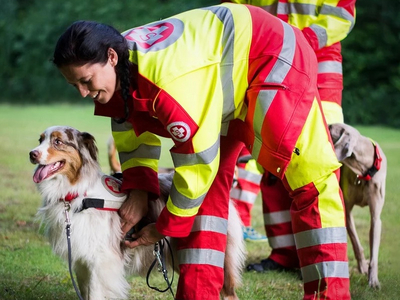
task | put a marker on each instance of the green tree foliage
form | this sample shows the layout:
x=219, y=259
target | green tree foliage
x=371, y=65
x=29, y=30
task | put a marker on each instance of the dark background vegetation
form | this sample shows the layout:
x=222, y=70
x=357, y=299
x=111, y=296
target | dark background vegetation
x=29, y=30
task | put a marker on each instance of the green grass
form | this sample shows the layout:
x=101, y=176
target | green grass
x=29, y=270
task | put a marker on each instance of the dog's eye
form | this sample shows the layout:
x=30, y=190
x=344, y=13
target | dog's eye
x=58, y=142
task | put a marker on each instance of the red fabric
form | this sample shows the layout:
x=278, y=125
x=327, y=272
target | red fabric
x=294, y=96
x=202, y=281
x=275, y=199
x=244, y=208
x=181, y=225
x=340, y=284
x=141, y=178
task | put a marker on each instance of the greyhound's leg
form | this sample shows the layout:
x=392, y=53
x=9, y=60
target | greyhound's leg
x=375, y=206
x=355, y=241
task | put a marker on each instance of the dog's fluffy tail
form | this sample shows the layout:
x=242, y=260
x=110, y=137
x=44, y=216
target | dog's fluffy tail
x=235, y=254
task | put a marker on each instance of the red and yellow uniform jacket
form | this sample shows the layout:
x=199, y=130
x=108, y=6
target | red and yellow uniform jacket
x=193, y=74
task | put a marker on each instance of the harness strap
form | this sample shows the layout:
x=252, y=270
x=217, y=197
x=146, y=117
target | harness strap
x=375, y=167
x=101, y=204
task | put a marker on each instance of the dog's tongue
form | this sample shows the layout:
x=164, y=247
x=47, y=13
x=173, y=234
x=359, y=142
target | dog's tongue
x=41, y=173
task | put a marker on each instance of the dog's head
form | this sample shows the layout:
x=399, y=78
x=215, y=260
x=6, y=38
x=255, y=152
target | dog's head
x=62, y=151
x=345, y=138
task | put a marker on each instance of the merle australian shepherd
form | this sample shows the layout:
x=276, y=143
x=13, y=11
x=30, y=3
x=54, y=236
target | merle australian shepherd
x=67, y=175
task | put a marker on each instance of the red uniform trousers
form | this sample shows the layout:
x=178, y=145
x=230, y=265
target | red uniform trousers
x=203, y=251
x=245, y=192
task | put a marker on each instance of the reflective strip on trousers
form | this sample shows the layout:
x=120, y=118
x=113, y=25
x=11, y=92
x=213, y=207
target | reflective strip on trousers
x=277, y=217
x=336, y=269
x=201, y=257
x=210, y=223
x=281, y=241
x=320, y=236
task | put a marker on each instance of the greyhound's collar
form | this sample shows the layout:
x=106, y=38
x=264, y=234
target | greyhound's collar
x=375, y=167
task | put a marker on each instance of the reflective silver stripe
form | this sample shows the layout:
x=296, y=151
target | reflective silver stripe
x=277, y=217
x=249, y=176
x=339, y=12
x=321, y=35
x=277, y=75
x=183, y=202
x=281, y=241
x=205, y=157
x=320, y=236
x=303, y=9
x=282, y=8
x=226, y=65
x=143, y=151
x=309, y=9
x=210, y=223
x=201, y=257
x=126, y=126
x=327, y=269
x=330, y=67
x=245, y=196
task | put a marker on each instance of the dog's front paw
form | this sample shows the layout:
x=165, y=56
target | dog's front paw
x=373, y=282
x=363, y=267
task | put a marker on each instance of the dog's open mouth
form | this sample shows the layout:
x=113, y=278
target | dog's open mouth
x=44, y=171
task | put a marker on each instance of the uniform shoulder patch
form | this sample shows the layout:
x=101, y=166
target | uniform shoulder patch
x=155, y=36
x=112, y=185
x=180, y=131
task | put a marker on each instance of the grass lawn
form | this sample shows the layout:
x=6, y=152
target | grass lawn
x=29, y=270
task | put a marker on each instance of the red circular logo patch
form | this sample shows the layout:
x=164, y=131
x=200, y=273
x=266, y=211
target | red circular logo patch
x=155, y=36
x=180, y=131
x=113, y=185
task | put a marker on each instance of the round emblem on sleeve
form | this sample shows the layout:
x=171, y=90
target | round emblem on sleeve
x=155, y=36
x=180, y=131
x=112, y=185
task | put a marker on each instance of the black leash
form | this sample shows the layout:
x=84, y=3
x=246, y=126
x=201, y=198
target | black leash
x=158, y=253
x=159, y=258
x=67, y=207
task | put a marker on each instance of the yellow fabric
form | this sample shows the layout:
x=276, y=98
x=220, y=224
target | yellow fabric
x=336, y=27
x=317, y=158
x=316, y=163
x=333, y=112
x=203, y=101
x=252, y=166
x=127, y=141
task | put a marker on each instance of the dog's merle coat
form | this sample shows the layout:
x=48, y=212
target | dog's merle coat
x=68, y=171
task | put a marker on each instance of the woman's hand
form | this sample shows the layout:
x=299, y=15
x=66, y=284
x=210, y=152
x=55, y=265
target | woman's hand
x=147, y=236
x=133, y=209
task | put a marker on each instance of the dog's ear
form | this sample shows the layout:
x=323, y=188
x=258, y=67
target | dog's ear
x=165, y=182
x=89, y=143
x=343, y=140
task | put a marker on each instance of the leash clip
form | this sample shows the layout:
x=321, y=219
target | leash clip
x=67, y=208
x=157, y=255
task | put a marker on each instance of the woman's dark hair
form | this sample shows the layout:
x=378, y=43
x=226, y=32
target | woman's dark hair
x=88, y=42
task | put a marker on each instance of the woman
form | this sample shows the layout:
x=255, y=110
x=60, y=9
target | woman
x=209, y=80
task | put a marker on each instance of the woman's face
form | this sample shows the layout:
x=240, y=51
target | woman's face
x=98, y=81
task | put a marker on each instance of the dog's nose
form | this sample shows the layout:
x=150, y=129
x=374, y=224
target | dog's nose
x=33, y=156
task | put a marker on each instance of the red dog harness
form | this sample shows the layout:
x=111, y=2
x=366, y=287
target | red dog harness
x=375, y=167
